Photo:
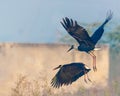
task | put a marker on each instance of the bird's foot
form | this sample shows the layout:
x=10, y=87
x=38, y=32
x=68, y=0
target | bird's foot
x=89, y=79
x=94, y=68
x=85, y=80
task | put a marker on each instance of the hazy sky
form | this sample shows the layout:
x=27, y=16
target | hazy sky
x=39, y=20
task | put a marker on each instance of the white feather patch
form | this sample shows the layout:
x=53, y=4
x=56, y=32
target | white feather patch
x=87, y=67
x=97, y=48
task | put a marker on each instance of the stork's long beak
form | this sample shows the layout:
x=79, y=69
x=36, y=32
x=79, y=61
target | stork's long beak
x=57, y=67
x=72, y=47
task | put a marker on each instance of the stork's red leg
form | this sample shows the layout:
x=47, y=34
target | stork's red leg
x=94, y=61
x=85, y=76
x=88, y=78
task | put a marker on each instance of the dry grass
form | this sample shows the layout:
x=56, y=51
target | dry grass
x=26, y=87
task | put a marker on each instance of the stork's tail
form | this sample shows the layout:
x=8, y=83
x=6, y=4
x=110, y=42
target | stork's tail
x=97, y=48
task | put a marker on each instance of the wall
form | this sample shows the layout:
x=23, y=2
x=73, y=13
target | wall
x=36, y=60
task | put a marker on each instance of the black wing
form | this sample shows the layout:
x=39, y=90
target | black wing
x=98, y=33
x=75, y=30
x=68, y=74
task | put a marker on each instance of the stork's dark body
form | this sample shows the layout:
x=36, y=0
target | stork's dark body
x=86, y=43
x=85, y=48
x=69, y=73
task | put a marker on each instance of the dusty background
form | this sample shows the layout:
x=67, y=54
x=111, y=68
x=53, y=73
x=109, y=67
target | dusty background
x=35, y=60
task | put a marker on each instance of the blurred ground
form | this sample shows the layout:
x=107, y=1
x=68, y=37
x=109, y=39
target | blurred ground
x=38, y=60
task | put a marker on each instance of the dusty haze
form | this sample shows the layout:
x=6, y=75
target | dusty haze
x=39, y=59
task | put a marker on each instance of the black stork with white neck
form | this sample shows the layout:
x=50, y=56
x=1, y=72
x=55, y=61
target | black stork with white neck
x=86, y=43
x=69, y=73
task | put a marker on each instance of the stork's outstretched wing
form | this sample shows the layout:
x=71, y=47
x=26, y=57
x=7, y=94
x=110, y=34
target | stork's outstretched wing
x=98, y=33
x=68, y=74
x=75, y=30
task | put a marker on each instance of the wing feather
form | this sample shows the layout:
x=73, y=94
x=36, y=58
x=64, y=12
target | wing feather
x=68, y=74
x=99, y=32
x=75, y=30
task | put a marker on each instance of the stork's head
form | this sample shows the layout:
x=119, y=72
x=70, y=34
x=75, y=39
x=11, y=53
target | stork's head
x=72, y=47
x=57, y=67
